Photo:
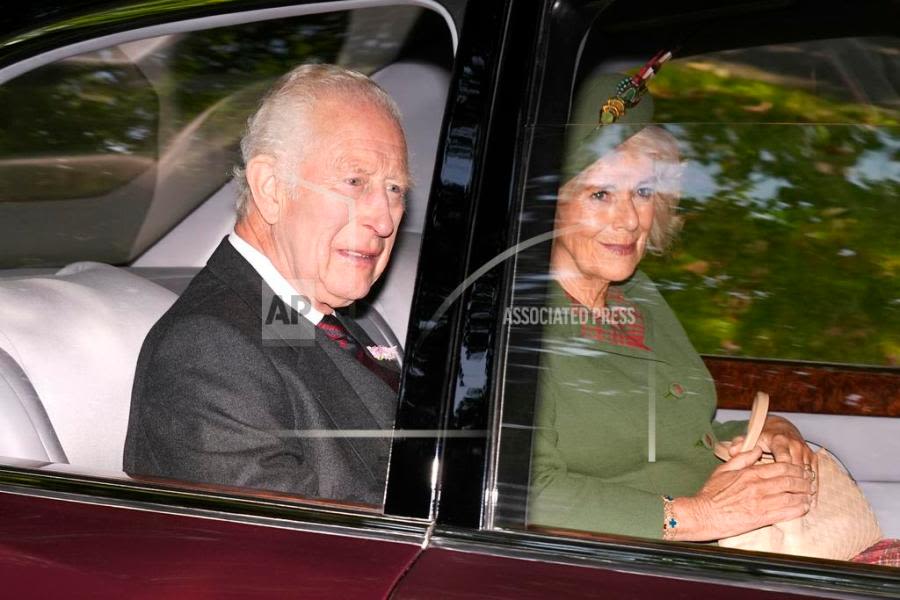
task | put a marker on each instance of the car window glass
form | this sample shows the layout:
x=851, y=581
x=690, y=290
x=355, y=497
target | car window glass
x=779, y=164
x=805, y=200
x=104, y=153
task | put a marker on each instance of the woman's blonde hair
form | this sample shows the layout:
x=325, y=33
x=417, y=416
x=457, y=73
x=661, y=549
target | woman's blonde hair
x=662, y=147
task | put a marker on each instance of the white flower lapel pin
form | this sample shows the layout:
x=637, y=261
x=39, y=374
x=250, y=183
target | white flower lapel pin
x=384, y=352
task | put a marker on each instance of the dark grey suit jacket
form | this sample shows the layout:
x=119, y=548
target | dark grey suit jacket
x=222, y=396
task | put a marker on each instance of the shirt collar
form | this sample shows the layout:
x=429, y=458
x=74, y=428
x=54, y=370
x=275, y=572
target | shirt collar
x=262, y=265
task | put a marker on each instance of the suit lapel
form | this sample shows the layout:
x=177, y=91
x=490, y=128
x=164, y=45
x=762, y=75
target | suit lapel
x=355, y=400
x=233, y=270
x=353, y=397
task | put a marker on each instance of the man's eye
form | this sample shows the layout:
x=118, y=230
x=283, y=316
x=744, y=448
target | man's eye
x=354, y=181
x=600, y=195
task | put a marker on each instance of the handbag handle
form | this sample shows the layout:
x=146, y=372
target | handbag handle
x=757, y=421
x=754, y=427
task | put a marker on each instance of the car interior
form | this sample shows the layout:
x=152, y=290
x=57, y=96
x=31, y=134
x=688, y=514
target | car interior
x=70, y=337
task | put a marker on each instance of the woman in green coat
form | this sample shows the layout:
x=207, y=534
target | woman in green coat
x=624, y=422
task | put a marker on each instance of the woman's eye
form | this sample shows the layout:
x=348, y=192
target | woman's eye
x=395, y=189
x=645, y=192
x=354, y=181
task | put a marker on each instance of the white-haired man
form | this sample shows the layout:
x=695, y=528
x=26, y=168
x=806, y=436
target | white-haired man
x=252, y=376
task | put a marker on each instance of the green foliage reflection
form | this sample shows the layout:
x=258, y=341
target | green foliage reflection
x=791, y=247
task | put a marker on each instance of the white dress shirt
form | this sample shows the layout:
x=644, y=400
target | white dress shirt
x=261, y=263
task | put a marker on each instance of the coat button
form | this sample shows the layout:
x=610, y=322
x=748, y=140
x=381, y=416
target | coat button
x=676, y=390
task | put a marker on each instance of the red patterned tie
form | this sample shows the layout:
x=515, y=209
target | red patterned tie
x=336, y=332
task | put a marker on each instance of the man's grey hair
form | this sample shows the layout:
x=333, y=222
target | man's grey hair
x=280, y=125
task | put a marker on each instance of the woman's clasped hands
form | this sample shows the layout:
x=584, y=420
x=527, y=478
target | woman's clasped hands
x=741, y=495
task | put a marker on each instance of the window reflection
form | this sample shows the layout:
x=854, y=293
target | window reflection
x=790, y=242
x=93, y=142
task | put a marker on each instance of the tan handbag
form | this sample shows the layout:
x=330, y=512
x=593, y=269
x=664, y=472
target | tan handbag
x=841, y=523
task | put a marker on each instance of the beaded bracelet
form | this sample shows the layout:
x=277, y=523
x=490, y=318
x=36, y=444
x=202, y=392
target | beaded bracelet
x=670, y=523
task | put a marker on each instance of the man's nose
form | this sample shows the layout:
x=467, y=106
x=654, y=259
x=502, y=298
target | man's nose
x=374, y=211
x=625, y=214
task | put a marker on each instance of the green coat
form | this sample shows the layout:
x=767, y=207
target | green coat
x=598, y=386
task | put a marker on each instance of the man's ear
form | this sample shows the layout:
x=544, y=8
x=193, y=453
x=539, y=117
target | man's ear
x=264, y=187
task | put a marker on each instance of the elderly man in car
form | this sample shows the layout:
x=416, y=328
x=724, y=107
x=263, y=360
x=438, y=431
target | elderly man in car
x=256, y=375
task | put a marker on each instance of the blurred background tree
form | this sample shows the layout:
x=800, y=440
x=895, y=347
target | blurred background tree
x=791, y=245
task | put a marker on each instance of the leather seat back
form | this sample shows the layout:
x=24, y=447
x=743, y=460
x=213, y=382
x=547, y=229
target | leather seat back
x=76, y=336
x=25, y=429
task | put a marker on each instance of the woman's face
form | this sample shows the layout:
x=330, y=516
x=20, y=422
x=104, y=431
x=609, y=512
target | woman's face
x=605, y=215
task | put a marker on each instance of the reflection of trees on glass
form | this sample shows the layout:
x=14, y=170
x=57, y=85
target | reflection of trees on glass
x=92, y=141
x=86, y=124
x=791, y=246
x=208, y=66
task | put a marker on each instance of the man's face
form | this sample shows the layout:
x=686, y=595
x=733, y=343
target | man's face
x=608, y=212
x=338, y=227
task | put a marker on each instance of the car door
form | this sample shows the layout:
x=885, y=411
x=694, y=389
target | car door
x=114, y=179
x=481, y=545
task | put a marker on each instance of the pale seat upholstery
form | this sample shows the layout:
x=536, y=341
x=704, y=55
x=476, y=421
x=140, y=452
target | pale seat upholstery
x=76, y=336
x=884, y=496
x=420, y=90
x=25, y=429
x=391, y=298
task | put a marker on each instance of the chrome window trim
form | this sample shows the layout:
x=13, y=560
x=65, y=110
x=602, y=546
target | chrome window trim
x=688, y=562
x=212, y=505
x=202, y=23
